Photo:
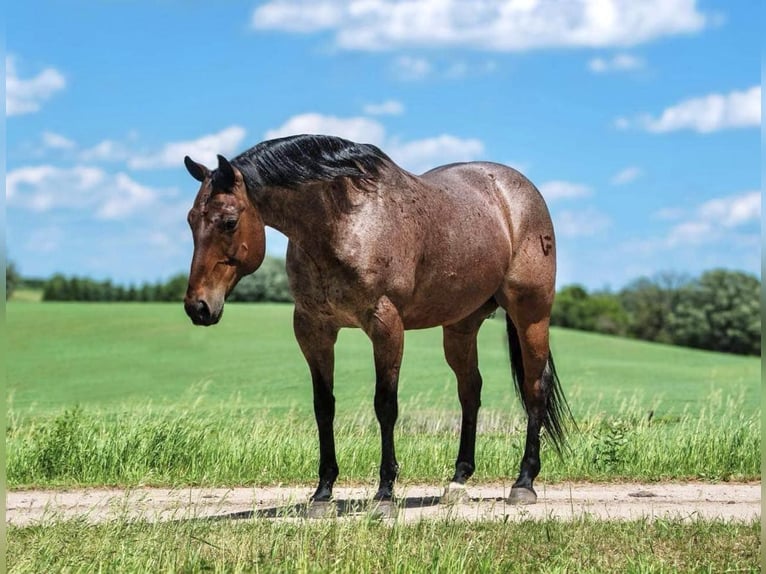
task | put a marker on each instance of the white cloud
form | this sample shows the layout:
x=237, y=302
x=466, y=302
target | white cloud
x=57, y=141
x=204, y=149
x=45, y=187
x=733, y=210
x=416, y=155
x=617, y=63
x=106, y=150
x=580, y=223
x=358, y=129
x=26, y=95
x=669, y=213
x=411, y=68
x=127, y=197
x=387, y=108
x=690, y=232
x=710, y=113
x=424, y=154
x=298, y=16
x=626, y=175
x=712, y=219
x=498, y=25
x=40, y=187
x=557, y=189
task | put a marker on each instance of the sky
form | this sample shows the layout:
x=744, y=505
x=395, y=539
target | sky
x=638, y=121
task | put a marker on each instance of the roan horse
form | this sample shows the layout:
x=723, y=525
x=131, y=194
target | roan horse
x=375, y=247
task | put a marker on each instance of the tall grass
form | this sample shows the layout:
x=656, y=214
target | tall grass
x=369, y=546
x=235, y=446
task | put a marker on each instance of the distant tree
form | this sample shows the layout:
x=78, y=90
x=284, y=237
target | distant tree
x=575, y=308
x=609, y=317
x=720, y=311
x=147, y=292
x=174, y=288
x=569, y=307
x=649, y=303
x=12, y=279
x=268, y=283
x=61, y=288
x=55, y=288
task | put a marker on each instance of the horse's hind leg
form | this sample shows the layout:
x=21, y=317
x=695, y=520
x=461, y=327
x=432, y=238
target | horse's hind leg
x=317, y=341
x=528, y=324
x=461, y=353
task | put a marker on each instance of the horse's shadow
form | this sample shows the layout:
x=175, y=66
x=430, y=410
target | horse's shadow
x=339, y=508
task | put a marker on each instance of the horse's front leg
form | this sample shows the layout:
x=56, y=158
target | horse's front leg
x=386, y=332
x=317, y=341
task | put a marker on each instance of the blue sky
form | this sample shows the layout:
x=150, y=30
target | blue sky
x=639, y=121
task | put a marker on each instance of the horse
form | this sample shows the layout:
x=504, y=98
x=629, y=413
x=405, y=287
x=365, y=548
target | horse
x=375, y=247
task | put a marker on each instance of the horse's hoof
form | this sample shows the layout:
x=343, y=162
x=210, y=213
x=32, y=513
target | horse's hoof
x=382, y=509
x=321, y=509
x=520, y=495
x=454, y=493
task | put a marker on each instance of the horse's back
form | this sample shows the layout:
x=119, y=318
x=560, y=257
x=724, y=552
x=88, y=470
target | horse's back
x=530, y=229
x=523, y=205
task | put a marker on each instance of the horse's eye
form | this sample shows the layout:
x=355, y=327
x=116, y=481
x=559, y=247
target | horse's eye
x=229, y=224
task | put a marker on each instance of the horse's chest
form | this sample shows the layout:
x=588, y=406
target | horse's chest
x=341, y=286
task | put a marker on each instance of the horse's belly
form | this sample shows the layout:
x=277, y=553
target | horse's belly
x=449, y=300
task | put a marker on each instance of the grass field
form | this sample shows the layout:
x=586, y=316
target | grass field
x=118, y=356
x=120, y=394
x=368, y=546
x=131, y=394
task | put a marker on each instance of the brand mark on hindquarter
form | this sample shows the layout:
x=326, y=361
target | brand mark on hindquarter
x=546, y=242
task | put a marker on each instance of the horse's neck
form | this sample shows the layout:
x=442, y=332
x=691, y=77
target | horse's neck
x=302, y=215
x=311, y=215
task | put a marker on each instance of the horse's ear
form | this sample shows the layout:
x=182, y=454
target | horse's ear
x=197, y=170
x=224, y=177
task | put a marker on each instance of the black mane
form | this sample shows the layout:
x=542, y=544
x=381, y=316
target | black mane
x=290, y=161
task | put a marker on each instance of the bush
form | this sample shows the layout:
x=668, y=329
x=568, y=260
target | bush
x=601, y=312
x=719, y=311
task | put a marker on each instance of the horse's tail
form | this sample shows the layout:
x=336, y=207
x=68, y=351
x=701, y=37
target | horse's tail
x=557, y=413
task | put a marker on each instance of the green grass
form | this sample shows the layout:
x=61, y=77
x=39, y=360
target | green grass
x=369, y=546
x=231, y=447
x=120, y=356
x=126, y=394
x=25, y=295
x=122, y=394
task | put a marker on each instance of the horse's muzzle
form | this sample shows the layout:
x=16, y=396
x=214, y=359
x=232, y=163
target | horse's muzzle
x=200, y=313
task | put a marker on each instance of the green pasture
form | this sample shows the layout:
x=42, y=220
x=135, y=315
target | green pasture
x=133, y=393
x=552, y=546
x=128, y=394
x=115, y=357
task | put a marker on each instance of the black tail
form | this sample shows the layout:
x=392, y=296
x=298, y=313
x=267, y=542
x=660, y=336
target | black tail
x=557, y=413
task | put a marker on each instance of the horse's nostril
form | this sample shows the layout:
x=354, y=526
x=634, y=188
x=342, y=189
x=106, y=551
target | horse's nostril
x=203, y=311
x=198, y=311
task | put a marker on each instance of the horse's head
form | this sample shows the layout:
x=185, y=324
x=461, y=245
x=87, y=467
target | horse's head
x=229, y=239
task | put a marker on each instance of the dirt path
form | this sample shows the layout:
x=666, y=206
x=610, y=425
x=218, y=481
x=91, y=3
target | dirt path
x=740, y=502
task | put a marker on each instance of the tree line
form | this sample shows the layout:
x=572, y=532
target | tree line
x=719, y=310
x=269, y=283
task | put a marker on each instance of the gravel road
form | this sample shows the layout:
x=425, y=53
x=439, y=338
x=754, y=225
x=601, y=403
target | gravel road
x=565, y=501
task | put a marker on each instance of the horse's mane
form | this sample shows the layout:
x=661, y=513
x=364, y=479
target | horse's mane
x=290, y=161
